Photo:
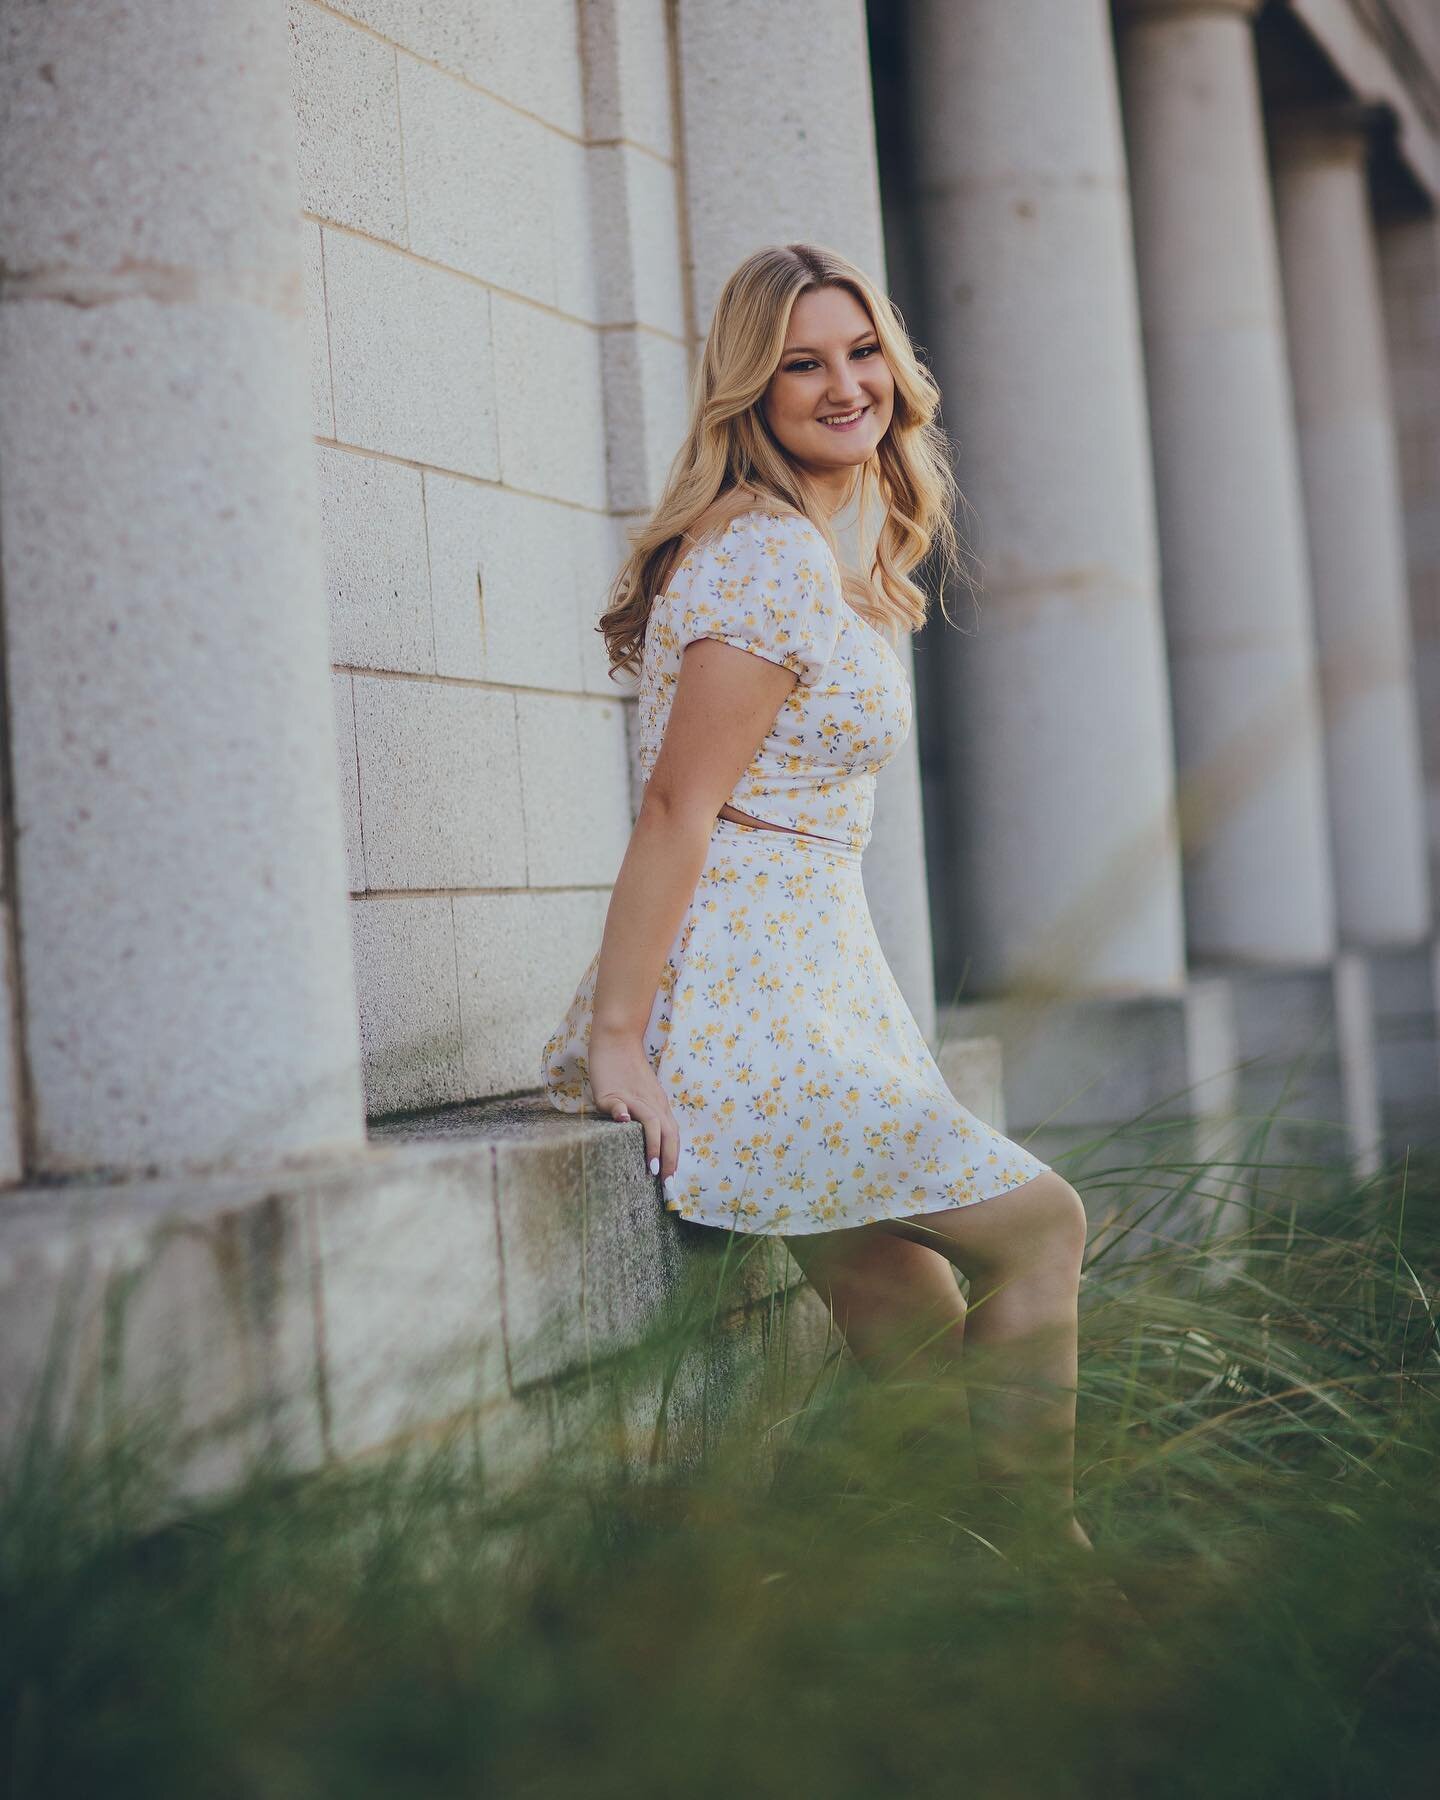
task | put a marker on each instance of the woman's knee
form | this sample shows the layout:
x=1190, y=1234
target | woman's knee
x=1045, y=1222
x=1068, y=1223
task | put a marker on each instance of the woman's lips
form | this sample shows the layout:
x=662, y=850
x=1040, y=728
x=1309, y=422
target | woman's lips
x=850, y=424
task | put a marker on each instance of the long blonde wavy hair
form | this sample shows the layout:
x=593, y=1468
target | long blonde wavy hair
x=729, y=450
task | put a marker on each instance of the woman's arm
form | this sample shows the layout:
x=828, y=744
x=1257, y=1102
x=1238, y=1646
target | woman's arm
x=725, y=702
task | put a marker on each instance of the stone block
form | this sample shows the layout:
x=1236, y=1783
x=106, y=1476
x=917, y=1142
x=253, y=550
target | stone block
x=577, y=229
x=435, y=1284
x=519, y=959
x=347, y=116
x=1211, y=1047
x=344, y=700
x=1286, y=1036
x=317, y=331
x=1306, y=1075
x=627, y=72
x=178, y=1314
x=409, y=1284
x=637, y=245
x=971, y=1067
x=1083, y=1062
x=478, y=183
x=1355, y=1049
x=762, y=163
x=548, y=377
x=409, y=1009
x=589, y=1252
x=372, y=521
x=600, y=547
x=535, y=68
x=410, y=351
x=576, y=777
x=439, y=785
x=645, y=414
x=502, y=576
x=1405, y=984
x=736, y=1272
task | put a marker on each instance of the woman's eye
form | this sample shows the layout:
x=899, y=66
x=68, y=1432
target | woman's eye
x=798, y=368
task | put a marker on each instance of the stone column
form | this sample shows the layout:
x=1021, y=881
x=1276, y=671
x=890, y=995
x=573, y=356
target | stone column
x=188, y=1000
x=1356, y=529
x=764, y=165
x=1057, y=732
x=1248, y=728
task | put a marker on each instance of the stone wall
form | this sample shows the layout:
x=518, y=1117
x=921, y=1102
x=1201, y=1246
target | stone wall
x=498, y=366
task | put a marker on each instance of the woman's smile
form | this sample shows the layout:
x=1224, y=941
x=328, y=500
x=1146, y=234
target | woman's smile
x=846, y=421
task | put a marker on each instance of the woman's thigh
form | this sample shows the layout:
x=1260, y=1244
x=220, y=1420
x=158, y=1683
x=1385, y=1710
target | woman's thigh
x=1042, y=1219
x=892, y=1299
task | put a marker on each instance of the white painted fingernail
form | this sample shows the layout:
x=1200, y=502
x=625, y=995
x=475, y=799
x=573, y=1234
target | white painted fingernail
x=654, y=1165
x=672, y=1187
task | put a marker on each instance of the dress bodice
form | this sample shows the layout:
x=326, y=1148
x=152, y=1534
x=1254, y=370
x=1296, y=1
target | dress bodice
x=768, y=583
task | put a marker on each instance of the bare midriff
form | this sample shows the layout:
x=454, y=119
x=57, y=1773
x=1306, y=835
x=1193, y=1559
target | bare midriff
x=727, y=811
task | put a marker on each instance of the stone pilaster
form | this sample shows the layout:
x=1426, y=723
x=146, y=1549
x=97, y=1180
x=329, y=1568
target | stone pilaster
x=1344, y=415
x=761, y=168
x=179, y=869
x=1248, y=723
x=1057, y=712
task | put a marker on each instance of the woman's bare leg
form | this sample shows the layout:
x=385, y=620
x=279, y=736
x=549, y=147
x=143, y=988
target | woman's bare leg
x=1022, y=1251
x=896, y=1303
x=890, y=1285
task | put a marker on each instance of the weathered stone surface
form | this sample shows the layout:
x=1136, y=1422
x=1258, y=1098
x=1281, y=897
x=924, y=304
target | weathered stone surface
x=372, y=522
x=410, y=358
x=439, y=785
x=347, y=118
x=409, y=1008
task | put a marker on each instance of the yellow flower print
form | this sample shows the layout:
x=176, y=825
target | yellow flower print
x=797, y=1073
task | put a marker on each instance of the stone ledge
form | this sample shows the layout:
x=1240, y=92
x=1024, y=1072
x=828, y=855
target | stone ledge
x=461, y=1264
x=469, y=1265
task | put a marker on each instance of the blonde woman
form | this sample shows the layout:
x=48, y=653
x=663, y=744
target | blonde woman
x=739, y=1005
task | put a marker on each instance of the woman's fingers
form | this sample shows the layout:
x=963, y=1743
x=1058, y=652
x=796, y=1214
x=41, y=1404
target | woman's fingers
x=662, y=1134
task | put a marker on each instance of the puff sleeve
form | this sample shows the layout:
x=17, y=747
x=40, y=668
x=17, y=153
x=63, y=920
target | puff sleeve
x=768, y=584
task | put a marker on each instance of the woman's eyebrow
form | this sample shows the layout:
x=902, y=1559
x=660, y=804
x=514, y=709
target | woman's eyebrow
x=795, y=349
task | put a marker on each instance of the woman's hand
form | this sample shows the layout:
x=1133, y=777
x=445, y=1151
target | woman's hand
x=625, y=1086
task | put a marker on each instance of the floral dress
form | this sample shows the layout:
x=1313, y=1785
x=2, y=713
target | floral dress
x=806, y=1097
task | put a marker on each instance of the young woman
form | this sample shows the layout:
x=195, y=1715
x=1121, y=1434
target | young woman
x=739, y=1005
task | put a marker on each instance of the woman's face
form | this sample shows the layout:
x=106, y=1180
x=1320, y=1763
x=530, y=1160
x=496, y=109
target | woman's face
x=832, y=368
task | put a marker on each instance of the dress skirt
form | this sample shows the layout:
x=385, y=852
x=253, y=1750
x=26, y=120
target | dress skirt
x=806, y=1096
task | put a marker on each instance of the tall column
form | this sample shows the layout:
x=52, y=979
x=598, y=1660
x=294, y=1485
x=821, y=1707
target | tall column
x=1356, y=529
x=761, y=168
x=1058, y=724
x=1248, y=728
x=188, y=1000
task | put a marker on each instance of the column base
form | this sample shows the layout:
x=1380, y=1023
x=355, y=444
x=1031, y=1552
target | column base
x=1130, y=1099
x=1404, y=987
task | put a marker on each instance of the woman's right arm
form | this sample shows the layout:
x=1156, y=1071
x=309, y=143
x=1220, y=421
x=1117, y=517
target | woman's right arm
x=724, y=705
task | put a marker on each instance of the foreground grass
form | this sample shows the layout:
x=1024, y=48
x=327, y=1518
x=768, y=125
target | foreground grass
x=1258, y=1445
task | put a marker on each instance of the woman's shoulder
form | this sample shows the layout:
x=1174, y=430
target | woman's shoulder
x=742, y=512
x=746, y=531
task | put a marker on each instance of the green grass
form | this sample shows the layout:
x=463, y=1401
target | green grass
x=1257, y=1461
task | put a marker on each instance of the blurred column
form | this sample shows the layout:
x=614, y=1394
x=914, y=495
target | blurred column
x=762, y=166
x=1057, y=727
x=179, y=867
x=1248, y=726
x=1356, y=529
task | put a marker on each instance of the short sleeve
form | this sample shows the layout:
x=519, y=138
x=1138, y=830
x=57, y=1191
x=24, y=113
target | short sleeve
x=767, y=583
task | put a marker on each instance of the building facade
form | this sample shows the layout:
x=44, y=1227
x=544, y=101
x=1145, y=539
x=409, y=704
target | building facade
x=343, y=338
